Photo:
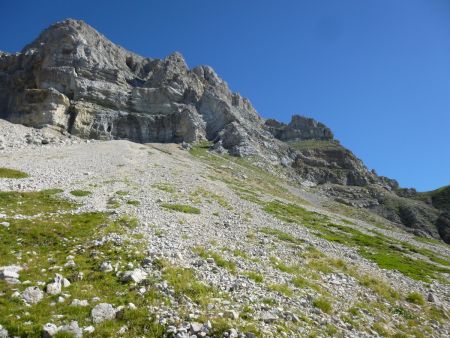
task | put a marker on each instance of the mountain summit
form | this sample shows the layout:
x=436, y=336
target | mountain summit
x=76, y=81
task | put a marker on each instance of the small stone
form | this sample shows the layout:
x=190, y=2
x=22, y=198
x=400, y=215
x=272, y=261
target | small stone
x=137, y=276
x=268, y=317
x=231, y=314
x=89, y=329
x=65, y=283
x=72, y=329
x=106, y=267
x=53, y=288
x=102, y=312
x=431, y=298
x=70, y=264
x=33, y=295
x=122, y=330
x=77, y=302
x=49, y=330
x=196, y=327
x=11, y=271
x=3, y=332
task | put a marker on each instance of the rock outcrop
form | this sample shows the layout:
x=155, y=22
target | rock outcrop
x=300, y=128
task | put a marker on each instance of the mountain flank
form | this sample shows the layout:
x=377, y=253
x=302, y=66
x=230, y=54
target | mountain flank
x=75, y=80
x=142, y=198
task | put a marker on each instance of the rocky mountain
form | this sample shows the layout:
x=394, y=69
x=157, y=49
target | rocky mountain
x=142, y=198
x=76, y=81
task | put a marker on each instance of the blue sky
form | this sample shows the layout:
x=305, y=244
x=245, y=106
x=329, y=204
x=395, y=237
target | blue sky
x=376, y=72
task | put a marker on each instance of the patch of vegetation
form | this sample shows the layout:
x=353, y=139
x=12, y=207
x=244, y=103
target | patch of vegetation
x=187, y=209
x=122, y=193
x=234, y=170
x=33, y=203
x=80, y=193
x=292, y=213
x=240, y=253
x=415, y=298
x=323, y=304
x=133, y=202
x=282, y=236
x=377, y=248
x=281, y=288
x=41, y=243
x=185, y=283
x=301, y=282
x=405, y=313
x=258, y=278
x=167, y=187
x=112, y=203
x=221, y=325
x=379, y=287
x=12, y=173
x=127, y=221
x=218, y=259
x=196, y=196
x=381, y=329
x=278, y=264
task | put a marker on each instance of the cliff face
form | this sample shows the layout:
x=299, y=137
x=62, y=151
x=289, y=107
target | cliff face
x=75, y=80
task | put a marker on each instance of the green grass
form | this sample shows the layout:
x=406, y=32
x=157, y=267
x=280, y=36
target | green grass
x=240, y=253
x=126, y=221
x=45, y=241
x=218, y=259
x=282, y=236
x=415, y=298
x=378, y=286
x=377, y=248
x=121, y=193
x=112, y=203
x=258, y=278
x=133, y=202
x=187, y=209
x=33, y=203
x=323, y=304
x=12, y=173
x=278, y=264
x=284, y=289
x=80, y=193
x=185, y=283
x=167, y=187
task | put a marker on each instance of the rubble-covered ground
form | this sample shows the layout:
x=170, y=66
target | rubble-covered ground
x=118, y=239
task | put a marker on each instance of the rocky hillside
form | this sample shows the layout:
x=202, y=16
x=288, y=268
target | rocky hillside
x=114, y=238
x=139, y=197
x=78, y=82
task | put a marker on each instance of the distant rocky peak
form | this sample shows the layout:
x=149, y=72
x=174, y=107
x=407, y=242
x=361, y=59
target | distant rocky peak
x=300, y=128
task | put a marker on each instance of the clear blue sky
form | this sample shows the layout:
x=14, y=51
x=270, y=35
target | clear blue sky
x=376, y=72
